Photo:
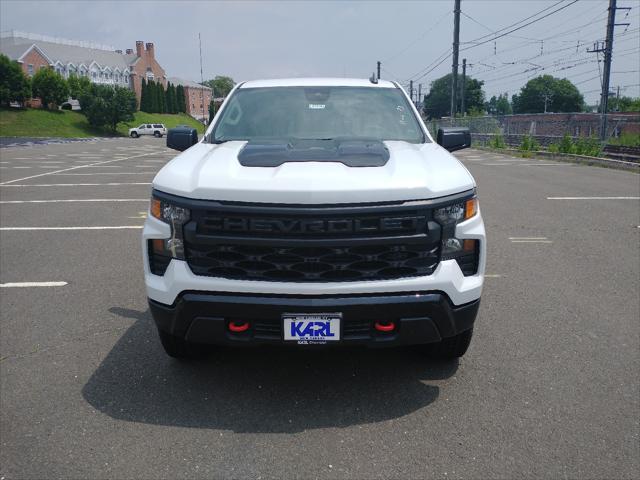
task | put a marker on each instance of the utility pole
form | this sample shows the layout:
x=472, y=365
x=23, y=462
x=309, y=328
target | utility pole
x=411, y=90
x=462, y=86
x=419, y=99
x=456, y=47
x=379, y=70
x=606, y=74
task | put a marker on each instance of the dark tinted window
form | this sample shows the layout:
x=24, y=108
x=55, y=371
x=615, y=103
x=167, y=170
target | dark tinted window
x=318, y=113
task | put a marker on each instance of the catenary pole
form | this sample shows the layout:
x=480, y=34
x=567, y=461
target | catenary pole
x=608, y=49
x=462, y=87
x=456, y=48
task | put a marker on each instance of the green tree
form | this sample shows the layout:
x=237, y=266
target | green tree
x=221, y=85
x=14, y=84
x=560, y=95
x=78, y=85
x=437, y=103
x=499, y=105
x=182, y=104
x=153, y=105
x=144, y=96
x=624, y=104
x=212, y=110
x=172, y=101
x=162, y=104
x=50, y=87
x=106, y=106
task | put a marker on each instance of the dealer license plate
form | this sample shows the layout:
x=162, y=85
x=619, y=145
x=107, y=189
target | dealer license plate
x=311, y=329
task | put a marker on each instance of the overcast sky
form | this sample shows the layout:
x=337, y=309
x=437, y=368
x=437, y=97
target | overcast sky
x=248, y=40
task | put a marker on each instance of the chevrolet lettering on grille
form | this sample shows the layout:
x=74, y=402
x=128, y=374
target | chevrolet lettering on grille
x=315, y=226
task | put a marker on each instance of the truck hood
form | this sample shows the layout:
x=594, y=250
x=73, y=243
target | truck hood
x=413, y=172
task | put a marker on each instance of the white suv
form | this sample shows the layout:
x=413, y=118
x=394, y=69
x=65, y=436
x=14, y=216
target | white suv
x=156, y=129
x=315, y=211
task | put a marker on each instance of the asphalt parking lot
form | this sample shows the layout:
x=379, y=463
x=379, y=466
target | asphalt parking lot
x=549, y=388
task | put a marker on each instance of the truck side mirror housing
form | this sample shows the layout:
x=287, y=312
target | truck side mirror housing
x=181, y=137
x=454, y=138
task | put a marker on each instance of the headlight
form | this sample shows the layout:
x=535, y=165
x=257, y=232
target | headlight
x=464, y=251
x=457, y=212
x=161, y=251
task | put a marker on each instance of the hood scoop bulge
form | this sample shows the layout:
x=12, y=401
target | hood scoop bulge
x=353, y=153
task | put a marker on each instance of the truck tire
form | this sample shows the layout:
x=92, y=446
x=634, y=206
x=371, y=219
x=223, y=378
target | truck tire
x=157, y=134
x=134, y=135
x=450, y=348
x=177, y=347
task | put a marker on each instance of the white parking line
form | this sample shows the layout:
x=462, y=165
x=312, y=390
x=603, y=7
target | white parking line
x=77, y=200
x=105, y=173
x=32, y=284
x=75, y=168
x=74, y=184
x=530, y=240
x=593, y=198
x=26, y=229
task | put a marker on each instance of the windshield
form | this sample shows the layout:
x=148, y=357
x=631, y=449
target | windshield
x=318, y=113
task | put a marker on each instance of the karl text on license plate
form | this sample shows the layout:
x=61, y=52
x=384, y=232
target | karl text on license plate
x=311, y=329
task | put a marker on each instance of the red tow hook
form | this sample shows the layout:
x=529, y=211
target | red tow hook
x=384, y=326
x=237, y=327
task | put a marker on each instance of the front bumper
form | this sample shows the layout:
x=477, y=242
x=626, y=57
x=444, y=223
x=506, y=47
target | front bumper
x=420, y=317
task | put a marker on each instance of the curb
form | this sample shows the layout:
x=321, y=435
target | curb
x=571, y=158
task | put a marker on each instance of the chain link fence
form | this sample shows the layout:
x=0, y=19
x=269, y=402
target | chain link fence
x=546, y=128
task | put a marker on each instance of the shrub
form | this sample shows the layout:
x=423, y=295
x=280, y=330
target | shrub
x=588, y=146
x=14, y=85
x=627, y=139
x=553, y=148
x=50, y=87
x=528, y=145
x=497, y=141
x=107, y=106
x=566, y=144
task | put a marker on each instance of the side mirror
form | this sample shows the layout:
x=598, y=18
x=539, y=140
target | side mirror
x=454, y=138
x=181, y=138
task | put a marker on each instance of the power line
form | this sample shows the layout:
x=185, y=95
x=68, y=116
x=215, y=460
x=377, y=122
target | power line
x=516, y=23
x=520, y=27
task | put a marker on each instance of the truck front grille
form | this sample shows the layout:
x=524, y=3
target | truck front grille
x=312, y=244
x=309, y=264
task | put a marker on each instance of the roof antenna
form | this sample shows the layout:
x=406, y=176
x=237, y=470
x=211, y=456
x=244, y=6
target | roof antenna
x=373, y=78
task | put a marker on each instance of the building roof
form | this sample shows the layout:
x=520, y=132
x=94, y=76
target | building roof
x=317, y=82
x=16, y=46
x=186, y=83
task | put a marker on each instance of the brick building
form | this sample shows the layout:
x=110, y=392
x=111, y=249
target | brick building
x=100, y=63
x=197, y=98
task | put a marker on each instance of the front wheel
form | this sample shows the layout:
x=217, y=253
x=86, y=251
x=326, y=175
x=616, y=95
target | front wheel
x=450, y=348
x=134, y=135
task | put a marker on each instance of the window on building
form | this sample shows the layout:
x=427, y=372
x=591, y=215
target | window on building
x=30, y=69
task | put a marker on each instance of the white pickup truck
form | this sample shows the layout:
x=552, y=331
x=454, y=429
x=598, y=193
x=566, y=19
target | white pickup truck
x=315, y=212
x=158, y=130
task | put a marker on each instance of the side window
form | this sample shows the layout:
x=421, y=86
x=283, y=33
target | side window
x=30, y=69
x=149, y=126
x=141, y=127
